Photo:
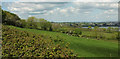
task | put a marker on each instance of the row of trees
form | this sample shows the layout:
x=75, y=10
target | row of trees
x=32, y=22
x=104, y=33
x=108, y=30
x=35, y=23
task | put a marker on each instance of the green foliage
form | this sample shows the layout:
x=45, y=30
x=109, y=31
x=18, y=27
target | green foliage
x=109, y=29
x=31, y=23
x=96, y=31
x=118, y=36
x=73, y=32
x=89, y=27
x=21, y=23
x=45, y=25
x=9, y=18
x=55, y=26
x=77, y=32
x=96, y=28
x=18, y=43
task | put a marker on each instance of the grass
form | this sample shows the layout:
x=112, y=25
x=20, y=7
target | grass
x=107, y=35
x=84, y=47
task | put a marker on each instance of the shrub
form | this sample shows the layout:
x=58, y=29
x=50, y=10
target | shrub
x=18, y=43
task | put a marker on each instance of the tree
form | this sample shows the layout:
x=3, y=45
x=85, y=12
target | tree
x=31, y=19
x=31, y=23
x=109, y=29
x=78, y=32
x=80, y=25
x=55, y=26
x=118, y=35
x=89, y=27
x=45, y=25
x=96, y=27
x=96, y=31
x=103, y=29
x=21, y=23
x=9, y=18
x=50, y=28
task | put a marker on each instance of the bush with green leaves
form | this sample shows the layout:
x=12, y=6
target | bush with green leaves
x=77, y=32
x=9, y=18
x=17, y=43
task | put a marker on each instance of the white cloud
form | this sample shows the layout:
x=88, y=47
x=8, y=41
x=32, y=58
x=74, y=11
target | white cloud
x=23, y=9
x=63, y=10
x=34, y=12
x=111, y=12
x=96, y=5
x=87, y=12
x=76, y=10
x=70, y=10
x=107, y=5
x=57, y=8
x=27, y=7
x=51, y=11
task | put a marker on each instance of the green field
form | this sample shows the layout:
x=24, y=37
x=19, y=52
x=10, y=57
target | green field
x=82, y=46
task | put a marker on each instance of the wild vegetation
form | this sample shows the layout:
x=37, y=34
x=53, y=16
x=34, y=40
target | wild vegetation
x=9, y=18
x=25, y=44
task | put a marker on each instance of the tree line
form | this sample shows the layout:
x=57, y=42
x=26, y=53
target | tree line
x=32, y=22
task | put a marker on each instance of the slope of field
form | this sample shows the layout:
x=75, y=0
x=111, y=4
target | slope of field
x=82, y=46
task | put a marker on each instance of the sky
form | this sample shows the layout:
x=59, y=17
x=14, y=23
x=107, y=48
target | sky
x=64, y=10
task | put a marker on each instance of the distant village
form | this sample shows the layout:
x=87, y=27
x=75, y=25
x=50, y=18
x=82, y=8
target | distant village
x=86, y=24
